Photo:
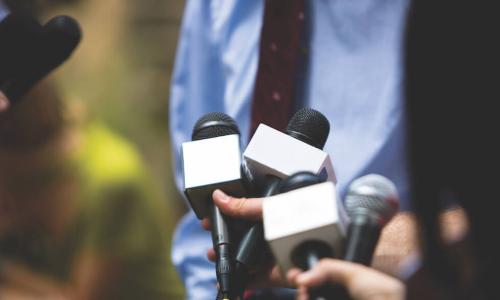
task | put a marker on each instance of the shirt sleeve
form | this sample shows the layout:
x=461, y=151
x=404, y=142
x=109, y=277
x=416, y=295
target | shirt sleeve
x=3, y=10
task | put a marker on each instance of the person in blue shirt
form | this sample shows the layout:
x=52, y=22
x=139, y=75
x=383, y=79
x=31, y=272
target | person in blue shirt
x=353, y=75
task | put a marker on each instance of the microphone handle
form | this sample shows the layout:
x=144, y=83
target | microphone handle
x=222, y=246
x=252, y=241
x=363, y=235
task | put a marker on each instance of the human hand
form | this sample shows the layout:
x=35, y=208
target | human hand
x=361, y=282
x=266, y=273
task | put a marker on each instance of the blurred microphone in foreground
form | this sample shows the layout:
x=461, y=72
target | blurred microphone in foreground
x=30, y=51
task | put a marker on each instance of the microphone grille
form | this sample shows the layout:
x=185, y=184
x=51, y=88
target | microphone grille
x=310, y=126
x=214, y=124
x=375, y=194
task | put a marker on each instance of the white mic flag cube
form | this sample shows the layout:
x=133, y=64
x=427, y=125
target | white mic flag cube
x=312, y=213
x=272, y=152
x=210, y=164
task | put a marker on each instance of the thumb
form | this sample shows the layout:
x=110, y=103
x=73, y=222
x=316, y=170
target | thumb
x=242, y=208
x=329, y=270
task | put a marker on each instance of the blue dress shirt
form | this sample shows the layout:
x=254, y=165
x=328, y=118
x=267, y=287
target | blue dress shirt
x=353, y=76
x=3, y=11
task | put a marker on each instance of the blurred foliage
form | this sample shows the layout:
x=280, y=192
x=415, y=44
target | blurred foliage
x=120, y=74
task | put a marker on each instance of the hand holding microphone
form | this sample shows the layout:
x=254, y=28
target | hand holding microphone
x=371, y=202
x=264, y=275
x=361, y=282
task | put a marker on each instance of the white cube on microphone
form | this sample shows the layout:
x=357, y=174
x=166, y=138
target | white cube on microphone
x=208, y=164
x=312, y=213
x=272, y=152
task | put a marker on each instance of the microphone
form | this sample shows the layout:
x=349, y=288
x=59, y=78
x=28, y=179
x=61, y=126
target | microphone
x=19, y=35
x=371, y=202
x=212, y=160
x=56, y=42
x=305, y=222
x=271, y=156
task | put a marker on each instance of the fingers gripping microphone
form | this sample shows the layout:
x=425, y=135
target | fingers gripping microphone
x=213, y=161
x=53, y=44
x=271, y=156
x=371, y=202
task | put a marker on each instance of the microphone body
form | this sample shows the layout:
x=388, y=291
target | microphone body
x=252, y=240
x=363, y=235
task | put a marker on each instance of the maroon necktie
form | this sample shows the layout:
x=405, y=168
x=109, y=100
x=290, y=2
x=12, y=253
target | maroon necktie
x=279, y=55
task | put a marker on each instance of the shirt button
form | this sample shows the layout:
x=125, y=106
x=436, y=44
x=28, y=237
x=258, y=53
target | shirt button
x=301, y=16
x=276, y=96
x=274, y=47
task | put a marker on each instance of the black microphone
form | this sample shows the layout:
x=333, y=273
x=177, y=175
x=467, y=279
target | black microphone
x=211, y=126
x=308, y=126
x=371, y=202
x=309, y=252
x=19, y=36
x=37, y=54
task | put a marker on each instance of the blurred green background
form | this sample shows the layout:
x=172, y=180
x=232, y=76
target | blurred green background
x=120, y=74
